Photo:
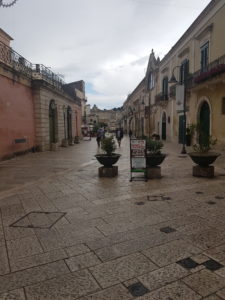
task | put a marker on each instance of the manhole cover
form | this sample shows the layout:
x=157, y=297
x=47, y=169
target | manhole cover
x=137, y=289
x=38, y=219
x=187, y=263
x=212, y=265
x=167, y=229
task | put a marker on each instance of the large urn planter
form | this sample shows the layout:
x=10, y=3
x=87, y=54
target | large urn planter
x=108, y=160
x=203, y=163
x=153, y=160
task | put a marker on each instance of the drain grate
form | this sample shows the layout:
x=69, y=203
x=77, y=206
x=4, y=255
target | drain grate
x=212, y=265
x=137, y=289
x=219, y=197
x=187, y=263
x=199, y=193
x=38, y=219
x=167, y=229
x=158, y=198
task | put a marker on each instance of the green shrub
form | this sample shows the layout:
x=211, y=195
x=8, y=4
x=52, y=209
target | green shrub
x=153, y=147
x=108, y=145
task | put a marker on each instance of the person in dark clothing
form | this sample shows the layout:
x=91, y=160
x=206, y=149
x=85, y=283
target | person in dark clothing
x=130, y=133
x=119, y=135
x=99, y=137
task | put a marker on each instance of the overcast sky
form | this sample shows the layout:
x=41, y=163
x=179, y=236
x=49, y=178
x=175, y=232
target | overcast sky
x=104, y=42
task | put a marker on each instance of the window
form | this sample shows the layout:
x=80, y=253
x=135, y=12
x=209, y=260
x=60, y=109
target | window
x=223, y=106
x=165, y=88
x=184, y=71
x=204, y=57
x=151, y=81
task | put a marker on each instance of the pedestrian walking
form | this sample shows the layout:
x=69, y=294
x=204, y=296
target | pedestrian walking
x=130, y=133
x=119, y=135
x=99, y=137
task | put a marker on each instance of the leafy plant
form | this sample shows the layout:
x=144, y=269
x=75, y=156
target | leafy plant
x=153, y=147
x=108, y=145
x=205, y=141
x=191, y=128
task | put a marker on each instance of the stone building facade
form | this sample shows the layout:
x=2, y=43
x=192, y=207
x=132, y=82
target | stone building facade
x=38, y=110
x=197, y=61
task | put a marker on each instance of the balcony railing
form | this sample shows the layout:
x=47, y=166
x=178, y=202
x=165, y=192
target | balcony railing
x=14, y=60
x=20, y=65
x=161, y=97
x=213, y=69
x=44, y=73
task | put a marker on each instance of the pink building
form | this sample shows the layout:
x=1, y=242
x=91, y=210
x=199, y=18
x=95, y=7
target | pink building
x=38, y=111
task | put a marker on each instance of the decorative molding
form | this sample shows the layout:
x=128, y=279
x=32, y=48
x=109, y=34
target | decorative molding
x=184, y=52
x=204, y=32
x=164, y=70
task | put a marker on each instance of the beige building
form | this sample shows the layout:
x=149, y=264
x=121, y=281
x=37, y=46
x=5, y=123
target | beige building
x=197, y=61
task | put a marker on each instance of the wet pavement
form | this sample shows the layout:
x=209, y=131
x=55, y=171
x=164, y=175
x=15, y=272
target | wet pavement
x=67, y=234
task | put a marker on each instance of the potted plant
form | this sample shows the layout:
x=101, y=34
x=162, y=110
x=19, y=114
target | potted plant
x=109, y=157
x=202, y=155
x=154, y=157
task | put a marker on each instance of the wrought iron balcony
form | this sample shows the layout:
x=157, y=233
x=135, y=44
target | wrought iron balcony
x=14, y=60
x=161, y=97
x=20, y=65
x=215, y=68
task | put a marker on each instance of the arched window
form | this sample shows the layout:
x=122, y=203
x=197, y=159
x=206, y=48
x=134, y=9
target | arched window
x=165, y=88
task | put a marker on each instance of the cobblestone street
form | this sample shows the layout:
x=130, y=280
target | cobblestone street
x=67, y=234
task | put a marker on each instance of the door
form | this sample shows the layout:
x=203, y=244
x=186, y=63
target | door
x=164, y=126
x=69, y=123
x=52, y=122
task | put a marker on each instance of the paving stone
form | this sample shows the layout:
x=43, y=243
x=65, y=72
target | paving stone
x=163, y=276
x=217, y=253
x=4, y=264
x=122, y=269
x=117, y=292
x=167, y=229
x=13, y=295
x=24, y=247
x=201, y=258
x=173, y=291
x=36, y=260
x=77, y=249
x=30, y=276
x=171, y=252
x=221, y=293
x=212, y=297
x=187, y=263
x=204, y=282
x=82, y=261
x=70, y=286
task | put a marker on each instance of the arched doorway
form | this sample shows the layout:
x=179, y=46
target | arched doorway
x=204, y=122
x=164, y=126
x=69, y=123
x=53, y=124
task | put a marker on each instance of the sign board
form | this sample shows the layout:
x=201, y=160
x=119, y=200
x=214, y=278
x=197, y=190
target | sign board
x=180, y=97
x=138, y=156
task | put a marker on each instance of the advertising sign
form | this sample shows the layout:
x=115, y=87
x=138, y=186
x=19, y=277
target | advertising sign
x=138, y=156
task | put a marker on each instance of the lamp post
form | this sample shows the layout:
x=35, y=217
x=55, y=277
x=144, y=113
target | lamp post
x=7, y=4
x=174, y=80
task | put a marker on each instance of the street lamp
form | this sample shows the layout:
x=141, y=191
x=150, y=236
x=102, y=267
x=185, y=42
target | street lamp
x=174, y=80
x=7, y=4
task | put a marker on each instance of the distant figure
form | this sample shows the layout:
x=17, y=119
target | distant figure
x=119, y=135
x=130, y=133
x=99, y=137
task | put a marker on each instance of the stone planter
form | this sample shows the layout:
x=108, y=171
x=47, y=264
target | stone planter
x=107, y=160
x=203, y=159
x=153, y=160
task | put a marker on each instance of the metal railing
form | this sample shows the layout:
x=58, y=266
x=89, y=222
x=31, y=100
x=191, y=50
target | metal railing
x=212, y=70
x=161, y=97
x=20, y=65
x=14, y=60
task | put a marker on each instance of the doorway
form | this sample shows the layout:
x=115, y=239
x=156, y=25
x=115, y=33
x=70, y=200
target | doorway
x=164, y=126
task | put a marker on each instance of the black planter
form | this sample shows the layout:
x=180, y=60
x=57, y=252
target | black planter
x=107, y=160
x=203, y=159
x=153, y=160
